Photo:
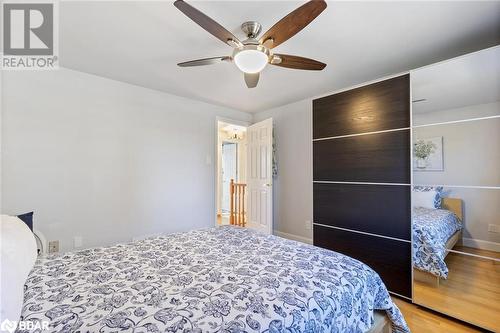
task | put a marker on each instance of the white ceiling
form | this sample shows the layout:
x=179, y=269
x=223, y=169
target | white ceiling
x=140, y=42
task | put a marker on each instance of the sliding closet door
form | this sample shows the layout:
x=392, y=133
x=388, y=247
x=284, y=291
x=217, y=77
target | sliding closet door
x=361, y=164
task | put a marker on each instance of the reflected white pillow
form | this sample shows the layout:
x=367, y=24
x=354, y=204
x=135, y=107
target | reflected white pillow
x=424, y=199
x=437, y=189
x=17, y=258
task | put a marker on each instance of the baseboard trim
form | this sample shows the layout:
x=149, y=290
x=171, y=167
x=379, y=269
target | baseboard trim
x=293, y=237
x=481, y=244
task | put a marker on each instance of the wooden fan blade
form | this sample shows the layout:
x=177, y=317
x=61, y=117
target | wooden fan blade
x=203, y=62
x=291, y=24
x=252, y=79
x=207, y=23
x=295, y=62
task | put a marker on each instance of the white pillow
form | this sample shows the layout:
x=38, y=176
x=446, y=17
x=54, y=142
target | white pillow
x=17, y=258
x=424, y=199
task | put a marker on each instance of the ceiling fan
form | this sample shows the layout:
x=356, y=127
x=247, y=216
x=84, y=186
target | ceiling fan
x=252, y=55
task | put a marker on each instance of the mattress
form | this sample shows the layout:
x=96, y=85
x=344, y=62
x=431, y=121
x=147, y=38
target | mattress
x=432, y=228
x=225, y=279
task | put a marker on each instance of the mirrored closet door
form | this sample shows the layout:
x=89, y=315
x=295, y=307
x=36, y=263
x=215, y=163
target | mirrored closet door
x=456, y=187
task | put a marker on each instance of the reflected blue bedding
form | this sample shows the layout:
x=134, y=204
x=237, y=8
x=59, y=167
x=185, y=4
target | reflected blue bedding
x=431, y=230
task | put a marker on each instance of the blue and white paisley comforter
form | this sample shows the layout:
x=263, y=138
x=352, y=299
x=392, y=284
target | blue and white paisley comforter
x=223, y=279
x=431, y=230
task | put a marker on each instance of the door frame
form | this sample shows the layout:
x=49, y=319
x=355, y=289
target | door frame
x=216, y=156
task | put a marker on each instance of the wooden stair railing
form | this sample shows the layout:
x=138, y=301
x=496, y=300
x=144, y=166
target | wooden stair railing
x=237, y=204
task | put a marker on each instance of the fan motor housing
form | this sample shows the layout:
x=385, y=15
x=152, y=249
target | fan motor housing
x=251, y=28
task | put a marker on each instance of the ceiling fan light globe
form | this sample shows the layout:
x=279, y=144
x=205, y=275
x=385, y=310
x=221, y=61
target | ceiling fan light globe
x=251, y=61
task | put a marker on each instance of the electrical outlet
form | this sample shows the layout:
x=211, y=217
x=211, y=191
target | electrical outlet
x=77, y=242
x=53, y=246
x=494, y=228
x=308, y=225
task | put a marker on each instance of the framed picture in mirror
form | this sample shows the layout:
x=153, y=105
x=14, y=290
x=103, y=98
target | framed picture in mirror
x=428, y=154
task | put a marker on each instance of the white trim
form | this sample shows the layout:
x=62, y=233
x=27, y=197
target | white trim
x=232, y=121
x=462, y=186
x=457, y=121
x=359, y=134
x=481, y=244
x=293, y=237
x=358, y=183
x=362, y=232
x=399, y=295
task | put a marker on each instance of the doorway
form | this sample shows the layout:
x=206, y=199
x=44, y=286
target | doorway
x=231, y=165
x=229, y=171
x=244, y=174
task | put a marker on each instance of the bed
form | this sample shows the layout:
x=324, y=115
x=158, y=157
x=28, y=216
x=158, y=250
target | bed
x=223, y=279
x=435, y=231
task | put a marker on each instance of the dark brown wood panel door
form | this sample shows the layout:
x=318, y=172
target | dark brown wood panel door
x=376, y=107
x=349, y=202
x=375, y=158
x=389, y=258
x=377, y=209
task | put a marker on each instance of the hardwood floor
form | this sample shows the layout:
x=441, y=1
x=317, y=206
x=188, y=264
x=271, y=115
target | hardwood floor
x=421, y=320
x=471, y=291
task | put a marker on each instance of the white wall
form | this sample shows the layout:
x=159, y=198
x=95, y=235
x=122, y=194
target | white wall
x=106, y=160
x=292, y=189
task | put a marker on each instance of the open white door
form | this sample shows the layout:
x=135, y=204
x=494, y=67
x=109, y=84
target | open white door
x=260, y=176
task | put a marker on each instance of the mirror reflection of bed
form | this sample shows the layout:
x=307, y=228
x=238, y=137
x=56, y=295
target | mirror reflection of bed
x=433, y=240
x=448, y=274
